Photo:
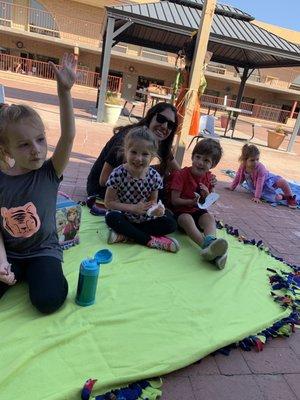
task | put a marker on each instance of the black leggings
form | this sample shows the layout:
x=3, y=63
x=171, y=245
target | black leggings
x=48, y=288
x=140, y=232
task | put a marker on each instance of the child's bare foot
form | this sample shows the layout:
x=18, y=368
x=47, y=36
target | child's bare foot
x=114, y=237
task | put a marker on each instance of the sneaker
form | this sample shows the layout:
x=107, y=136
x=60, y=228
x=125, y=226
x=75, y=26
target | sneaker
x=164, y=243
x=216, y=248
x=221, y=261
x=114, y=237
x=291, y=201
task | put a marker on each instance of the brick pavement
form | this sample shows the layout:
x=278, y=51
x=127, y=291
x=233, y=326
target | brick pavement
x=275, y=372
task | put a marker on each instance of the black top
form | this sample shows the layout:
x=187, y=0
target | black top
x=112, y=153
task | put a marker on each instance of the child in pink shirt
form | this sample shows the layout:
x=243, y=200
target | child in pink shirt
x=262, y=183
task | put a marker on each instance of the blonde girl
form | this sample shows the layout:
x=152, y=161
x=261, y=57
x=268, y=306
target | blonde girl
x=29, y=248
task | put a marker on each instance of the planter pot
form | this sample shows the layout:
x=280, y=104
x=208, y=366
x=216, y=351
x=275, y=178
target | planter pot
x=275, y=139
x=224, y=120
x=112, y=113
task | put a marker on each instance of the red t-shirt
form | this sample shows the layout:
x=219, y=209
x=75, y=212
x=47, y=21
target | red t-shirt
x=187, y=184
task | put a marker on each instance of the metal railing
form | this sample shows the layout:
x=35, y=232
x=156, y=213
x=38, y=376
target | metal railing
x=49, y=24
x=154, y=55
x=258, y=110
x=41, y=69
x=216, y=69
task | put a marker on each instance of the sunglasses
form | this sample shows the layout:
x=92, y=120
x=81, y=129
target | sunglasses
x=161, y=119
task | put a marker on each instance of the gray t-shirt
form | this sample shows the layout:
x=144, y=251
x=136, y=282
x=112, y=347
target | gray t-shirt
x=28, y=207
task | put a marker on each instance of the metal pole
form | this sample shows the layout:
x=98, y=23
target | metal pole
x=294, y=134
x=242, y=88
x=239, y=98
x=293, y=108
x=198, y=63
x=105, y=67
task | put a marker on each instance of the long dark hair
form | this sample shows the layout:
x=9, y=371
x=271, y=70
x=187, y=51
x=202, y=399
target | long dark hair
x=164, y=147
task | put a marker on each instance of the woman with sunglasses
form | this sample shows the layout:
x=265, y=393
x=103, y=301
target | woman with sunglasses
x=162, y=120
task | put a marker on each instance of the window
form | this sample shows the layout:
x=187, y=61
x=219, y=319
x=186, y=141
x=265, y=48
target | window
x=41, y=21
x=295, y=85
x=6, y=13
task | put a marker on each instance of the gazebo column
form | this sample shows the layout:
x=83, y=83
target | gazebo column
x=105, y=62
x=110, y=40
x=295, y=133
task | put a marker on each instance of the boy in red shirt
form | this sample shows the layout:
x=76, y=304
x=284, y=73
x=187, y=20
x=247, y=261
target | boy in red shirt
x=182, y=187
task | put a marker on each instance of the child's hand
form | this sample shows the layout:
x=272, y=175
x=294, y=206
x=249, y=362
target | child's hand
x=213, y=180
x=141, y=207
x=157, y=209
x=203, y=190
x=8, y=279
x=66, y=75
x=6, y=275
x=256, y=200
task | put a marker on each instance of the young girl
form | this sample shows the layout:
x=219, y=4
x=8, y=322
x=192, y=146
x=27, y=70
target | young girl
x=262, y=183
x=132, y=189
x=29, y=248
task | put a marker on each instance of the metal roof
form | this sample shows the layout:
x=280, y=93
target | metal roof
x=222, y=9
x=234, y=40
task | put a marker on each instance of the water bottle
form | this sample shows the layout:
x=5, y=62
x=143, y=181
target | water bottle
x=87, y=282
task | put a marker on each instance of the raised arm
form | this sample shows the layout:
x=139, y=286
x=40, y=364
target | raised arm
x=65, y=77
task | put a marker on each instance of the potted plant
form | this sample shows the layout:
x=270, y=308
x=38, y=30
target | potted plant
x=113, y=107
x=224, y=120
x=276, y=137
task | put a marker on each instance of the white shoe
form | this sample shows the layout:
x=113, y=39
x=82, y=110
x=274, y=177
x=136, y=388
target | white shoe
x=221, y=261
x=216, y=248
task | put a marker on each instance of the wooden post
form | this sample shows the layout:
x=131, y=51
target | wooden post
x=198, y=64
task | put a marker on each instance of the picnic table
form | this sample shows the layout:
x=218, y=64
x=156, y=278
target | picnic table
x=233, y=114
x=154, y=97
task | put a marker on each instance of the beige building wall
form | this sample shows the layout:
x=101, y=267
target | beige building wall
x=120, y=65
x=31, y=46
x=81, y=21
x=260, y=96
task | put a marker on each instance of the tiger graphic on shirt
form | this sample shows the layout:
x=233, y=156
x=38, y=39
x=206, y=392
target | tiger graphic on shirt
x=22, y=221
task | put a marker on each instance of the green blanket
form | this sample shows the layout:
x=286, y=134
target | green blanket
x=155, y=312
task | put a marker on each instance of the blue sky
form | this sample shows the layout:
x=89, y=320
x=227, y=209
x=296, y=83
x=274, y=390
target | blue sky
x=285, y=13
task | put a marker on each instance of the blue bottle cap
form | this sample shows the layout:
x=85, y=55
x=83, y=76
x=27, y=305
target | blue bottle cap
x=103, y=256
x=90, y=266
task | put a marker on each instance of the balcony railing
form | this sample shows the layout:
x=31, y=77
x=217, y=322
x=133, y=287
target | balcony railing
x=41, y=69
x=154, y=55
x=258, y=110
x=49, y=24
